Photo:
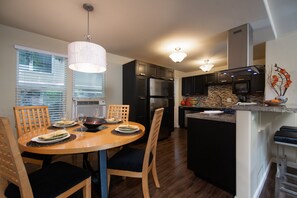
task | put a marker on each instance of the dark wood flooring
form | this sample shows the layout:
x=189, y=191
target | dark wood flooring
x=175, y=179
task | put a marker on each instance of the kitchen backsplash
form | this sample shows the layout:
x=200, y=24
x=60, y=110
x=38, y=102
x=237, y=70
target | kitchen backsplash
x=221, y=96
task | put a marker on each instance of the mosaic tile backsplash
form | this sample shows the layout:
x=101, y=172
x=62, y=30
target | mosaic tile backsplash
x=221, y=96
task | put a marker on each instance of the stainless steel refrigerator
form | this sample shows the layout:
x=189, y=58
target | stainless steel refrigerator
x=161, y=95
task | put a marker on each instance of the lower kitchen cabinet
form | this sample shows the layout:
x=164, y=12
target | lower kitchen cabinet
x=211, y=152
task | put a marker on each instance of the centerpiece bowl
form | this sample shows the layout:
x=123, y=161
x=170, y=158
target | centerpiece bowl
x=93, y=122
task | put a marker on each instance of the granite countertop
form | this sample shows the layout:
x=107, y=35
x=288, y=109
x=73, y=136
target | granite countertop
x=265, y=108
x=224, y=117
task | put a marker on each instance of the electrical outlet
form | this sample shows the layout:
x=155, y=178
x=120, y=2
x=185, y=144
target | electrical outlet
x=229, y=100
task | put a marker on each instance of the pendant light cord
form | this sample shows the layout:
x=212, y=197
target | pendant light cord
x=88, y=7
x=88, y=31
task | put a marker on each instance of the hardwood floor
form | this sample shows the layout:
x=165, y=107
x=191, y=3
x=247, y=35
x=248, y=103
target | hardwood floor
x=175, y=179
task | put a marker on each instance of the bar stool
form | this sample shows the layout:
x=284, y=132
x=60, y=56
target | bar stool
x=285, y=183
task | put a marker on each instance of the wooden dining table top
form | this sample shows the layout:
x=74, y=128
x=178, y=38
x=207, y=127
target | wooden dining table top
x=84, y=141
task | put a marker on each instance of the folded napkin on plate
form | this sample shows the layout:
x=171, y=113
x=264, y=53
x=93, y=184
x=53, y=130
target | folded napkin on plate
x=128, y=128
x=66, y=122
x=54, y=135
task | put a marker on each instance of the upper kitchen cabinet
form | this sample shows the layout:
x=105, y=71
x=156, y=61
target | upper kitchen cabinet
x=164, y=73
x=151, y=70
x=258, y=83
x=200, y=87
x=141, y=68
x=223, y=77
x=194, y=85
x=211, y=79
x=188, y=86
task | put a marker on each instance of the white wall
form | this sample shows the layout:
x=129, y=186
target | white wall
x=283, y=52
x=264, y=124
x=11, y=36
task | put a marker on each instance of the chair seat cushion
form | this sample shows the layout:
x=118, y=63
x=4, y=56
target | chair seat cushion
x=51, y=181
x=45, y=158
x=129, y=159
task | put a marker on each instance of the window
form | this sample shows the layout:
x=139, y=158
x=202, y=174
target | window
x=41, y=80
x=88, y=85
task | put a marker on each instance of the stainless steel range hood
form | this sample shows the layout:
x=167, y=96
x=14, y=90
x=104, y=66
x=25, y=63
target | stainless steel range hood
x=240, y=47
x=240, y=51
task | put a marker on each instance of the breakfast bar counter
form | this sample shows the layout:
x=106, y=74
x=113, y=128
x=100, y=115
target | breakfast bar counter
x=224, y=117
x=255, y=149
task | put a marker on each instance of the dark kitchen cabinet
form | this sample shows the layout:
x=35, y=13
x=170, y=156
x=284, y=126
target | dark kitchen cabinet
x=211, y=79
x=211, y=152
x=141, y=68
x=200, y=87
x=194, y=85
x=137, y=76
x=135, y=89
x=188, y=86
x=224, y=77
x=258, y=83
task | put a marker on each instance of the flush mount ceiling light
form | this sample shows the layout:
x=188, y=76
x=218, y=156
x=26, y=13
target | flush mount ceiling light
x=84, y=56
x=207, y=67
x=177, y=56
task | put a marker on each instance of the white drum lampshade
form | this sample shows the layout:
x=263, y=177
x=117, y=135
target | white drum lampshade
x=84, y=56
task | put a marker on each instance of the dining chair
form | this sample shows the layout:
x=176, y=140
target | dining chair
x=120, y=111
x=58, y=179
x=137, y=163
x=27, y=119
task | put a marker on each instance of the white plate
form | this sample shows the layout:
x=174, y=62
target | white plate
x=212, y=112
x=36, y=139
x=110, y=121
x=64, y=126
x=130, y=131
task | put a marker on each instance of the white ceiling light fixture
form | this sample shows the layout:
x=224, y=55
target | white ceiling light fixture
x=177, y=56
x=207, y=67
x=84, y=56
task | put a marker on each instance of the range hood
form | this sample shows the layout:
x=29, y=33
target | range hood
x=240, y=52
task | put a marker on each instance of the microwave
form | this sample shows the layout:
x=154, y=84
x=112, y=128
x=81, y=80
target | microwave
x=241, y=87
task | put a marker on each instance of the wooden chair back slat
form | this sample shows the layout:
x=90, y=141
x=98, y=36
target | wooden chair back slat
x=29, y=118
x=11, y=163
x=151, y=146
x=114, y=111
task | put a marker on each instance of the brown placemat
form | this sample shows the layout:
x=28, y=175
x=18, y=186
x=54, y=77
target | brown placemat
x=55, y=128
x=36, y=144
x=125, y=134
x=84, y=129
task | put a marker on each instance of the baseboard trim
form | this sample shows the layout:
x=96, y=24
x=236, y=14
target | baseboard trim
x=262, y=182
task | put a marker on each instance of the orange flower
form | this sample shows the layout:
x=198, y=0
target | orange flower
x=281, y=81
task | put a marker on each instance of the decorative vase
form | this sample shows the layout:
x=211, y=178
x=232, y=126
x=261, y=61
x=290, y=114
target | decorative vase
x=283, y=99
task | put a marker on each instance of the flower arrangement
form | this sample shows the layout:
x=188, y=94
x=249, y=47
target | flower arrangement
x=280, y=82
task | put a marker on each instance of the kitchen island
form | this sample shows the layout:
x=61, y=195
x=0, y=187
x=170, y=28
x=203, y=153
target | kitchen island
x=211, y=148
x=255, y=149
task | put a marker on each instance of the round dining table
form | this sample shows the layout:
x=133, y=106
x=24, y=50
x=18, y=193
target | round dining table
x=84, y=142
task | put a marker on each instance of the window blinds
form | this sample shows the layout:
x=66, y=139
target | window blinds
x=88, y=85
x=41, y=80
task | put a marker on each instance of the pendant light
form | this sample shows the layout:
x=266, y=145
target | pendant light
x=207, y=67
x=84, y=56
x=177, y=56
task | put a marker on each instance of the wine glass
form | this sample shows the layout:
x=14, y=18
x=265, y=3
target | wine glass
x=63, y=117
x=81, y=118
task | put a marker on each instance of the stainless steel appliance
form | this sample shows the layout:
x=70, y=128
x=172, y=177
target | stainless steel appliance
x=161, y=95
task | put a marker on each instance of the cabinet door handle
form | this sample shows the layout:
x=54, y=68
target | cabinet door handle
x=223, y=80
x=141, y=98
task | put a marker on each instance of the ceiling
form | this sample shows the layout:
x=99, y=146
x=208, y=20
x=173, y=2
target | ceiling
x=149, y=30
